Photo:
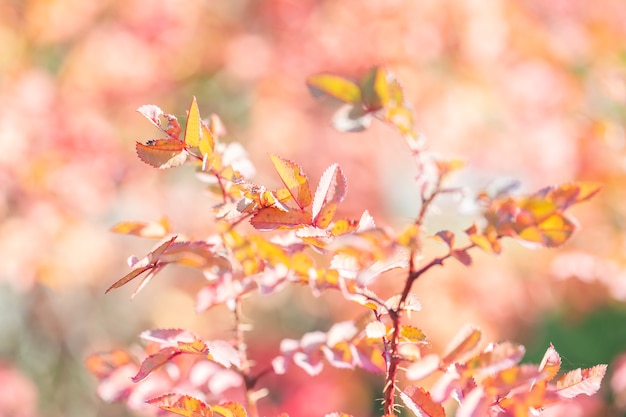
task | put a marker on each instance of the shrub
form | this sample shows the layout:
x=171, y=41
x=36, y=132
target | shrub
x=305, y=244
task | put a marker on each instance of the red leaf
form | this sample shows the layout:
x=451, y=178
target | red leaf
x=162, y=153
x=129, y=277
x=420, y=402
x=155, y=361
x=270, y=218
x=294, y=179
x=183, y=405
x=462, y=256
x=330, y=192
x=580, y=381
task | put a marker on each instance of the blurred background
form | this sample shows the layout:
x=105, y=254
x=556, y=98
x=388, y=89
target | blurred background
x=529, y=89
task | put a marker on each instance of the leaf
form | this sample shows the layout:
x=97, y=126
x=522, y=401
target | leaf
x=521, y=376
x=331, y=191
x=103, y=364
x=375, y=330
x=496, y=357
x=149, y=263
x=446, y=237
x=223, y=353
x=183, y=405
x=155, y=361
x=376, y=90
x=149, y=230
x=423, y=367
x=551, y=363
x=169, y=337
x=294, y=179
x=462, y=256
x=162, y=153
x=580, y=381
x=192, y=128
x=129, y=277
x=551, y=232
x=270, y=218
x=206, y=145
x=462, y=344
x=412, y=334
x=334, y=86
x=419, y=401
x=152, y=113
x=230, y=409
x=566, y=195
x=476, y=404
x=351, y=118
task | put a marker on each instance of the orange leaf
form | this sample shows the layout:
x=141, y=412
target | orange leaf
x=162, y=153
x=334, y=86
x=192, y=129
x=330, y=192
x=270, y=218
x=461, y=345
x=102, y=364
x=150, y=230
x=230, y=409
x=183, y=405
x=294, y=179
x=420, y=402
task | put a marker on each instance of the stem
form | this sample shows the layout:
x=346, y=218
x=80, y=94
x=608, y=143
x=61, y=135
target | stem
x=392, y=356
x=242, y=349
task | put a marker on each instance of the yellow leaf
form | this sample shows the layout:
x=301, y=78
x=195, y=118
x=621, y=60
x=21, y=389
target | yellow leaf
x=334, y=86
x=192, y=129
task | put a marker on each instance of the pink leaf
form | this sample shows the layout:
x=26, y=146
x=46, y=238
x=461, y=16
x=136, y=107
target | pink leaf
x=152, y=113
x=551, y=363
x=580, y=381
x=423, y=368
x=330, y=192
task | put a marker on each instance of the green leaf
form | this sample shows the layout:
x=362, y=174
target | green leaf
x=334, y=86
